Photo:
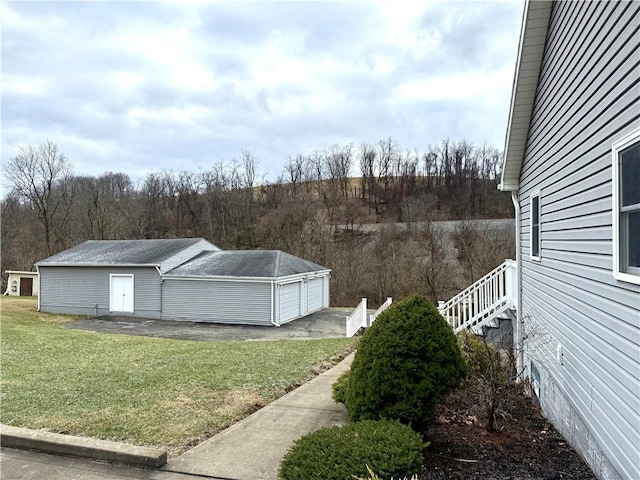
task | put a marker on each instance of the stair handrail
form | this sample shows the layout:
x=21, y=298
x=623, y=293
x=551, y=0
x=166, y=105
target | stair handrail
x=357, y=319
x=382, y=308
x=491, y=294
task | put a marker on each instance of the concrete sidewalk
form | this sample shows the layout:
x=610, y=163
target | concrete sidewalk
x=253, y=448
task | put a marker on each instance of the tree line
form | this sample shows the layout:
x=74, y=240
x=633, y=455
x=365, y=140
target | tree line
x=313, y=209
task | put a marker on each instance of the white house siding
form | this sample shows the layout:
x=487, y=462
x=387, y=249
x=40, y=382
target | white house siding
x=85, y=290
x=217, y=301
x=187, y=254
x=588, y=97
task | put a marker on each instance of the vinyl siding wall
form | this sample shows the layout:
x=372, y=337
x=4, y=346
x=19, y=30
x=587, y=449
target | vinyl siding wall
x=85, y=290
x=588, y=97
x=217, y=301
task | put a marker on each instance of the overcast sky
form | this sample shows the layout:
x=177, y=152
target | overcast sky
x=137, y=87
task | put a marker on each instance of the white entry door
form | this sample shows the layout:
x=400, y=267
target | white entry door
x=121, y=293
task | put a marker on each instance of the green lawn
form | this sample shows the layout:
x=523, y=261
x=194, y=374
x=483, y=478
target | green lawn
x=142, y=390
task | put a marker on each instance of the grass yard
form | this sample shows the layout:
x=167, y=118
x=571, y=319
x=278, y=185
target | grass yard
x=143, y=390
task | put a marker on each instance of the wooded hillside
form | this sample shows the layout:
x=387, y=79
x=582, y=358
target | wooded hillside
x=313, y=209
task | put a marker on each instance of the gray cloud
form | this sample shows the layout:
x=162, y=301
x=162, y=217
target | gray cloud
x=139, y=86
x=468, y=34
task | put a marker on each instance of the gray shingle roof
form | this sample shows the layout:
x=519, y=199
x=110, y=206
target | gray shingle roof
x=120, y=252
x=246, y=263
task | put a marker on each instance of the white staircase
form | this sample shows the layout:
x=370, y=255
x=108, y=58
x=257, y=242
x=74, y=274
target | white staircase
x=483, y=303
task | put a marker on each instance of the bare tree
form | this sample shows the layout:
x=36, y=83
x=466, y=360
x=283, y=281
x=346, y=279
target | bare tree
x=387, y=152
x=249, y=168
x=480, y=251
x=437, y=263
x=367, y=169
x=21, y=244
x=294, y=169
x=101, y=207
x=338, y=162
x=39, y=176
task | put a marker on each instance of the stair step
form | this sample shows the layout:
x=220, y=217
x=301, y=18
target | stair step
x=492, y=323
x=477, y=330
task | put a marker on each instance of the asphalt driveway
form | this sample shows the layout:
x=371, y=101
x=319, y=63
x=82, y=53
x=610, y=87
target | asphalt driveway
x=327, y=323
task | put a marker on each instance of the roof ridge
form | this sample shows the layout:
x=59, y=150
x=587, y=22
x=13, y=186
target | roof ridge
x=276, y=269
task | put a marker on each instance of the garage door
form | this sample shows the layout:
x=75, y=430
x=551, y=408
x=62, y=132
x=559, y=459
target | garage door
x=289, y=297
x=315, y=294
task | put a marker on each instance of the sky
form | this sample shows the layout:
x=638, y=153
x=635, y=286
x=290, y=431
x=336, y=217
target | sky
x=139, y=87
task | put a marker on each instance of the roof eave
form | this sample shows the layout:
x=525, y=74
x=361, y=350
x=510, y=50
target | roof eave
x=237, y=278
x=310, y=273
x=508, y=187
x=229, y=278
x=533, y=34
x=101, y=265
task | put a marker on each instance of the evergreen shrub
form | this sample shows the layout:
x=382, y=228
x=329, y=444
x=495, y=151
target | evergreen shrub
x=388, y=448
x=406, y=363
x=340, y=387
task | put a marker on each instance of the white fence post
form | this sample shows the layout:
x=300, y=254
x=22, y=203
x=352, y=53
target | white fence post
x=363, y=304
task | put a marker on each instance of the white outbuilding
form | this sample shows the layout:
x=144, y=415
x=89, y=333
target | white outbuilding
x=22, y=283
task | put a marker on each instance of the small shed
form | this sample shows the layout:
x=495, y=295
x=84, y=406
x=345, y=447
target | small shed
x=22, y=283
x=254, y=287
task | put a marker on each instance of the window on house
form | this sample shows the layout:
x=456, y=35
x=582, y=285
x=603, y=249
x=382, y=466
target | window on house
x=535, y=226
x=626, y=208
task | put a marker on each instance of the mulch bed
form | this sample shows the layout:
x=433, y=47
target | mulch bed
x=525, y=447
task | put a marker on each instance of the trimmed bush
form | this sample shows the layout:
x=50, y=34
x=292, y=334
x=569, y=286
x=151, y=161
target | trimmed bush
x=407, y=362
x=388, y=448
x=340, y=387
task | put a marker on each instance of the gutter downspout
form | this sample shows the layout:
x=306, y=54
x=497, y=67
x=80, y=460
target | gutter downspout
x=161, y=281
x=519, y=334
x=39, y=291
x=273, y=304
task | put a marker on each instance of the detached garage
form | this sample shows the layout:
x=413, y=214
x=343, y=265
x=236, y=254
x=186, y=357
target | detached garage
x=254, y=287
x=181, y=279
